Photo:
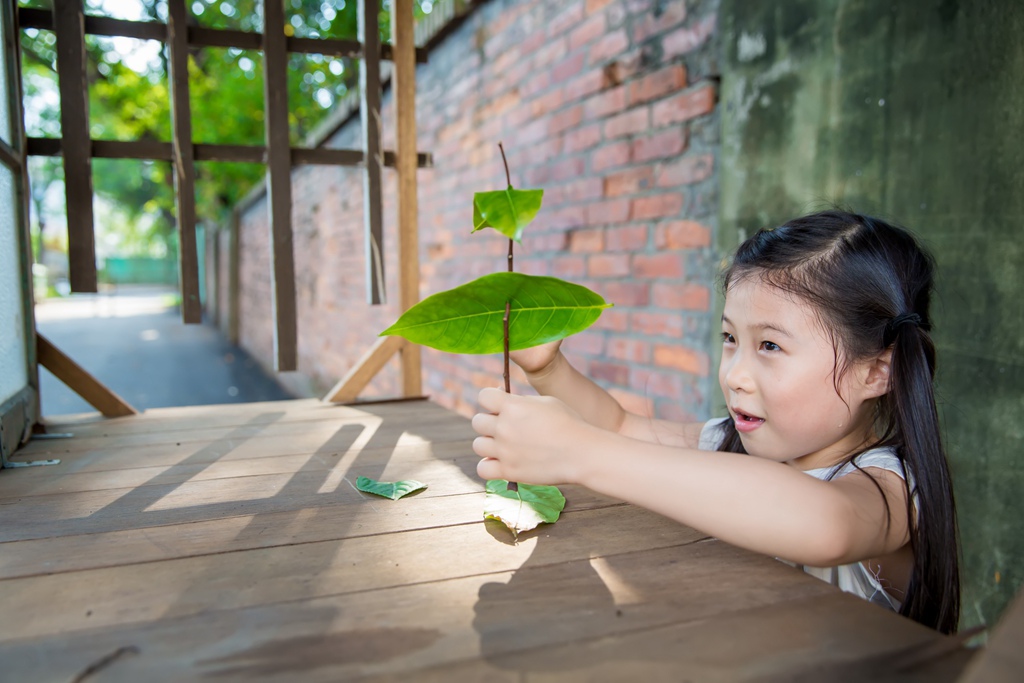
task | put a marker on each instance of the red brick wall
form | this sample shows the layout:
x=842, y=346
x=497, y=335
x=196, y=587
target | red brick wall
x=609, y=106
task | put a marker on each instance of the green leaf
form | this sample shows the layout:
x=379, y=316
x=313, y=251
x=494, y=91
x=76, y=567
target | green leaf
x=389, y=489
x=468, y=318
x=525, y=508
x=507, y=211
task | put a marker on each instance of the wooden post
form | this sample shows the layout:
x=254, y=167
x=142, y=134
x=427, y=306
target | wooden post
x=369, y=113
x=404, y=84
x=184, y=160
x=69, y=25
x=234, y=284
x=279, y=185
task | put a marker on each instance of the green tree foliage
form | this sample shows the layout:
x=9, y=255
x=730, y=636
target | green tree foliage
x=128, y=100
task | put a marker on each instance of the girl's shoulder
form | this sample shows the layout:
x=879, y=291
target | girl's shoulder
x=879, y=458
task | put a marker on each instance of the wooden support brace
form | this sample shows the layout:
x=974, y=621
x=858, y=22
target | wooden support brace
x=80, y=381
x=347, y=390
x=69, y=25
x=184, y=161
x=404, y=76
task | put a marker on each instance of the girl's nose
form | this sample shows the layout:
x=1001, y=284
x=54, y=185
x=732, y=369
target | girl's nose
x=737, y=375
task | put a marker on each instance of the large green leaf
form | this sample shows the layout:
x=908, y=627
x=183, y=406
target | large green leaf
x=507, y=211
x=524, y=508
x=389, y=489
x=468, y=318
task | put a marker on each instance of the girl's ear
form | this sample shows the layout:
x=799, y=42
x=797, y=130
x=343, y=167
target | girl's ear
x=876, y=375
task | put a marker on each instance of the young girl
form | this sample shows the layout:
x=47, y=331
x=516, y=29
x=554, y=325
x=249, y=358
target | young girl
x=827, y=370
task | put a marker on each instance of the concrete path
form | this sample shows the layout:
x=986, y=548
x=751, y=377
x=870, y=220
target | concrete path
x=133, y=341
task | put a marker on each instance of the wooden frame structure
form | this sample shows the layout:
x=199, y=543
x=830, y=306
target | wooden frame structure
x=71, y=25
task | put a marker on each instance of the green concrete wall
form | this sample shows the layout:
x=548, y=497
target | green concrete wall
x=913, y=111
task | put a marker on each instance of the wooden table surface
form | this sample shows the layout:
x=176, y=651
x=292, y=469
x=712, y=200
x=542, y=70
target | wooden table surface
x=229, y=543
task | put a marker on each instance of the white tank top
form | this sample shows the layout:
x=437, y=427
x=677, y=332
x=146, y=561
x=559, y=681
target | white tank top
x=852, y=578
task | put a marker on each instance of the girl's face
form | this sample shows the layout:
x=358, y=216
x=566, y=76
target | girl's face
x=777, y=376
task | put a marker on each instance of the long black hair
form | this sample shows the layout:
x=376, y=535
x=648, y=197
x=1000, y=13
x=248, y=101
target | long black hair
x=871, y=285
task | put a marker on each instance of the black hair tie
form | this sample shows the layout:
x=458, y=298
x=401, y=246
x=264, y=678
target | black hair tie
x=893, y=326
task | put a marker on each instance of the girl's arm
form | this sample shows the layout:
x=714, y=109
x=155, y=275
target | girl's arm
x=765, y=506
x=550, y=373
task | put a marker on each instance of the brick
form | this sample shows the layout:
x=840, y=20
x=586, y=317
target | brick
x=567, y=68
x=687, y=39
x=686, y=171
x=649, y=24
x=632, y=403
x=610, y=156
x=552, y=241
x=686, y=297
x=668, y=143
x=547, y=102
x=656, y=324
x=563, y=120
x=624, y=67
x=569, y=266
x=629, y=122
x=627, y=238
x=684, y=106
x=682, y=235
x=681, y=358
x=658, y=84
x=610, y=372
x=584, y=85
x=658, y=266
x=673, y=412
x=588, y=343
x=635, y=294
x=566, y=20
x=586, y=241
x=552, y=52
x=604, y=213
x=611, y=319
x=658, y=206
x=586, y=32
x=595, y=5
x=631, y=181
x=608, y=46
x=662, y=384
x=608, y=265
x=631, y=350
x=582, y=138
x=605, y=103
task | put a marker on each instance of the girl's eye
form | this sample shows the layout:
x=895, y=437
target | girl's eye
x=770, y=346
x=728, y=338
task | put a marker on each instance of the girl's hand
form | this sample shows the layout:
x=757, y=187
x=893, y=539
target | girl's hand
x=533, y=439
x=536, y=359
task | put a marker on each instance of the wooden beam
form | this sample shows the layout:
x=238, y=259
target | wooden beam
x=9, y=157
x=369, y=114
x=184, y=160
x=201, y=36
x=254, y=154
x=365, y=369
x=80, y=381
x=279, y=186
x=69, y=24
x=404, y=84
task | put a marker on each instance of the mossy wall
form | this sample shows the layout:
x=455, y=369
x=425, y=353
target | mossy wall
x=912, y=111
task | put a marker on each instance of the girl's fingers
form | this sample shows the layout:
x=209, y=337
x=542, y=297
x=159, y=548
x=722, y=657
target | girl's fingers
x=489, y=468
x=484, y=447
x=485, y=424
x=492, y=399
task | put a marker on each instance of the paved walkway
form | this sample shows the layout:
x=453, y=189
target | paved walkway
x=133, y=341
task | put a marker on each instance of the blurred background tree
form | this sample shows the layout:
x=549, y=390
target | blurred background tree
x=128, y=100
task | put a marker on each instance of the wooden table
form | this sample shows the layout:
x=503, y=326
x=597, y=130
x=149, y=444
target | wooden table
x=229, y=543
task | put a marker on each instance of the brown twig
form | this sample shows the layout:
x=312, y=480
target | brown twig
x=512, y=486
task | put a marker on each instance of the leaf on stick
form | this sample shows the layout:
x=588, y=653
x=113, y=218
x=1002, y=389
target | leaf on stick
x=525, y=508
x=507, y=211
x=468, y=318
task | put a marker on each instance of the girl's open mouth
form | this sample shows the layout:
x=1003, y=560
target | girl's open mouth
x=745, y=422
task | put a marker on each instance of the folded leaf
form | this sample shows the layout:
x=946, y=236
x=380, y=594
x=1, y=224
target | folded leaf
x=389, y=489
x=525, y=508
x=507, y=211
x=468, y=318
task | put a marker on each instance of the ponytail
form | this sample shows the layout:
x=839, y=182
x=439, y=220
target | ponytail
x=871, y=283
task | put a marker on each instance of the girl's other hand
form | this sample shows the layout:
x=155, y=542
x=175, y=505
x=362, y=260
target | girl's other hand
x=532, y=439
x=536, y=359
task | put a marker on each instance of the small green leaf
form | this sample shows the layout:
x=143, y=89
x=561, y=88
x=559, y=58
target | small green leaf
x=524, y=509
x=468, y=318
x=389, y=489
x=507, y=211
